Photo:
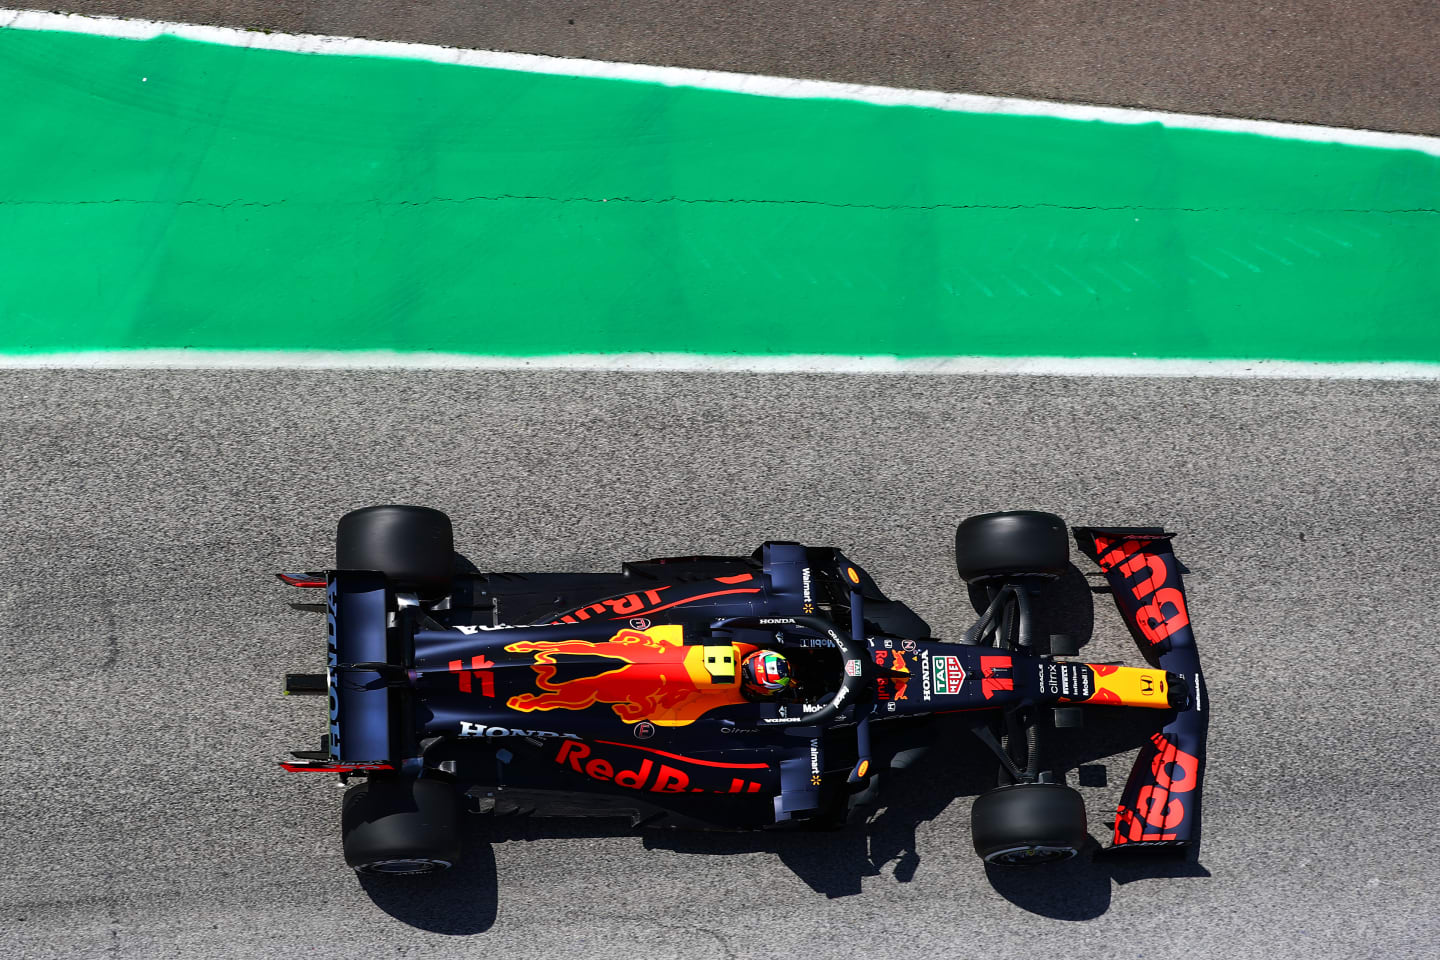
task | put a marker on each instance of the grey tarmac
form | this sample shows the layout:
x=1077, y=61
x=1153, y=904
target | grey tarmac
x=146, y=640
x=1370, y=65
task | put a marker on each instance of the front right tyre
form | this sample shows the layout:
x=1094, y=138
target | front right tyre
x=1026, y=824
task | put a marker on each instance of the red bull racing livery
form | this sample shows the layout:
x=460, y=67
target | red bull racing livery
x=624, y=694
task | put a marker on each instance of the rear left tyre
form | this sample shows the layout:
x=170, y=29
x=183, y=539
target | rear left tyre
x=1027, y=824
x=401, y=826
x=413, y=547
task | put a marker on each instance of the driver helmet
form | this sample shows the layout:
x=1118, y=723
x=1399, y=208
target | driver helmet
x=766, y=673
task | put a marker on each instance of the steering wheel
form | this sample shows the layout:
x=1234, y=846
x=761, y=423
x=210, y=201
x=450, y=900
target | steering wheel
x=855, y=656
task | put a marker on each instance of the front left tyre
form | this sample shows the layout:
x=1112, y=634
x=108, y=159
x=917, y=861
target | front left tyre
x=1015, y=543
x=401, y=826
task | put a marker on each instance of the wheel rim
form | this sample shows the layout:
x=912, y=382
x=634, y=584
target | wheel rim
x=1031, y=855
x=400, y=868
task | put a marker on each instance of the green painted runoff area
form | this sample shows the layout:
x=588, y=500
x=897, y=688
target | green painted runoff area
x=168, y=193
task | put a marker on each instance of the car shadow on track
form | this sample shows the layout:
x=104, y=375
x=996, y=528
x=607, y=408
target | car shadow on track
x=459, y=902
x=464, y=901
x=835, y=863
x=1079, y=889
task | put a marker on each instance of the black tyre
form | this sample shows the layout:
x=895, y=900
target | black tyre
x=413, y=546
x=398, y=827
x=1014, y=543
x=1028, y=823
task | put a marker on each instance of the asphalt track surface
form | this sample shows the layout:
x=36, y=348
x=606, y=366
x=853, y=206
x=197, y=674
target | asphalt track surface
x=1370, y=65
x=146, y=641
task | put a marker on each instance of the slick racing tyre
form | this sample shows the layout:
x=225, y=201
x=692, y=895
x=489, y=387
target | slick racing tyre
x=399, y=827
x=1028, y=823
x=1014, y=543
x=412, y=546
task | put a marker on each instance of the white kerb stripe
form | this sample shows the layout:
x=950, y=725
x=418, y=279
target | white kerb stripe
x=706, y=79
x=703, y=363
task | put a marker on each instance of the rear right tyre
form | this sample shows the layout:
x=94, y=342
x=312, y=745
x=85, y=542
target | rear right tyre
x=401, y=826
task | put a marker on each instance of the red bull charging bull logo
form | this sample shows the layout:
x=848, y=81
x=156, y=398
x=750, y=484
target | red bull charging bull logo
x=657, y=678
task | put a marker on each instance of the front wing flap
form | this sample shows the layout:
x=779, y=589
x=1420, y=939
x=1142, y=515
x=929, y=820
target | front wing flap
x=1160, y=806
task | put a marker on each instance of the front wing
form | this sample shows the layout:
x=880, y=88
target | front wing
x=1160, y=806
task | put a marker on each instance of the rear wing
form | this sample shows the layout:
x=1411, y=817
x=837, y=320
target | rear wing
x=1160, y=806
x=364, y=707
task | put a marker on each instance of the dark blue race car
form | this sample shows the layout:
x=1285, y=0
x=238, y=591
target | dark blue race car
x=769, y=690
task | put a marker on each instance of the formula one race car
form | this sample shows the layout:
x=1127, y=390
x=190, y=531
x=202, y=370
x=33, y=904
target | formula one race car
x=727, y=692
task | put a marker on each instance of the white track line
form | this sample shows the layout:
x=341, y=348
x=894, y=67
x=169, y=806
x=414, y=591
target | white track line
x=705, y=79
x=700, y=363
